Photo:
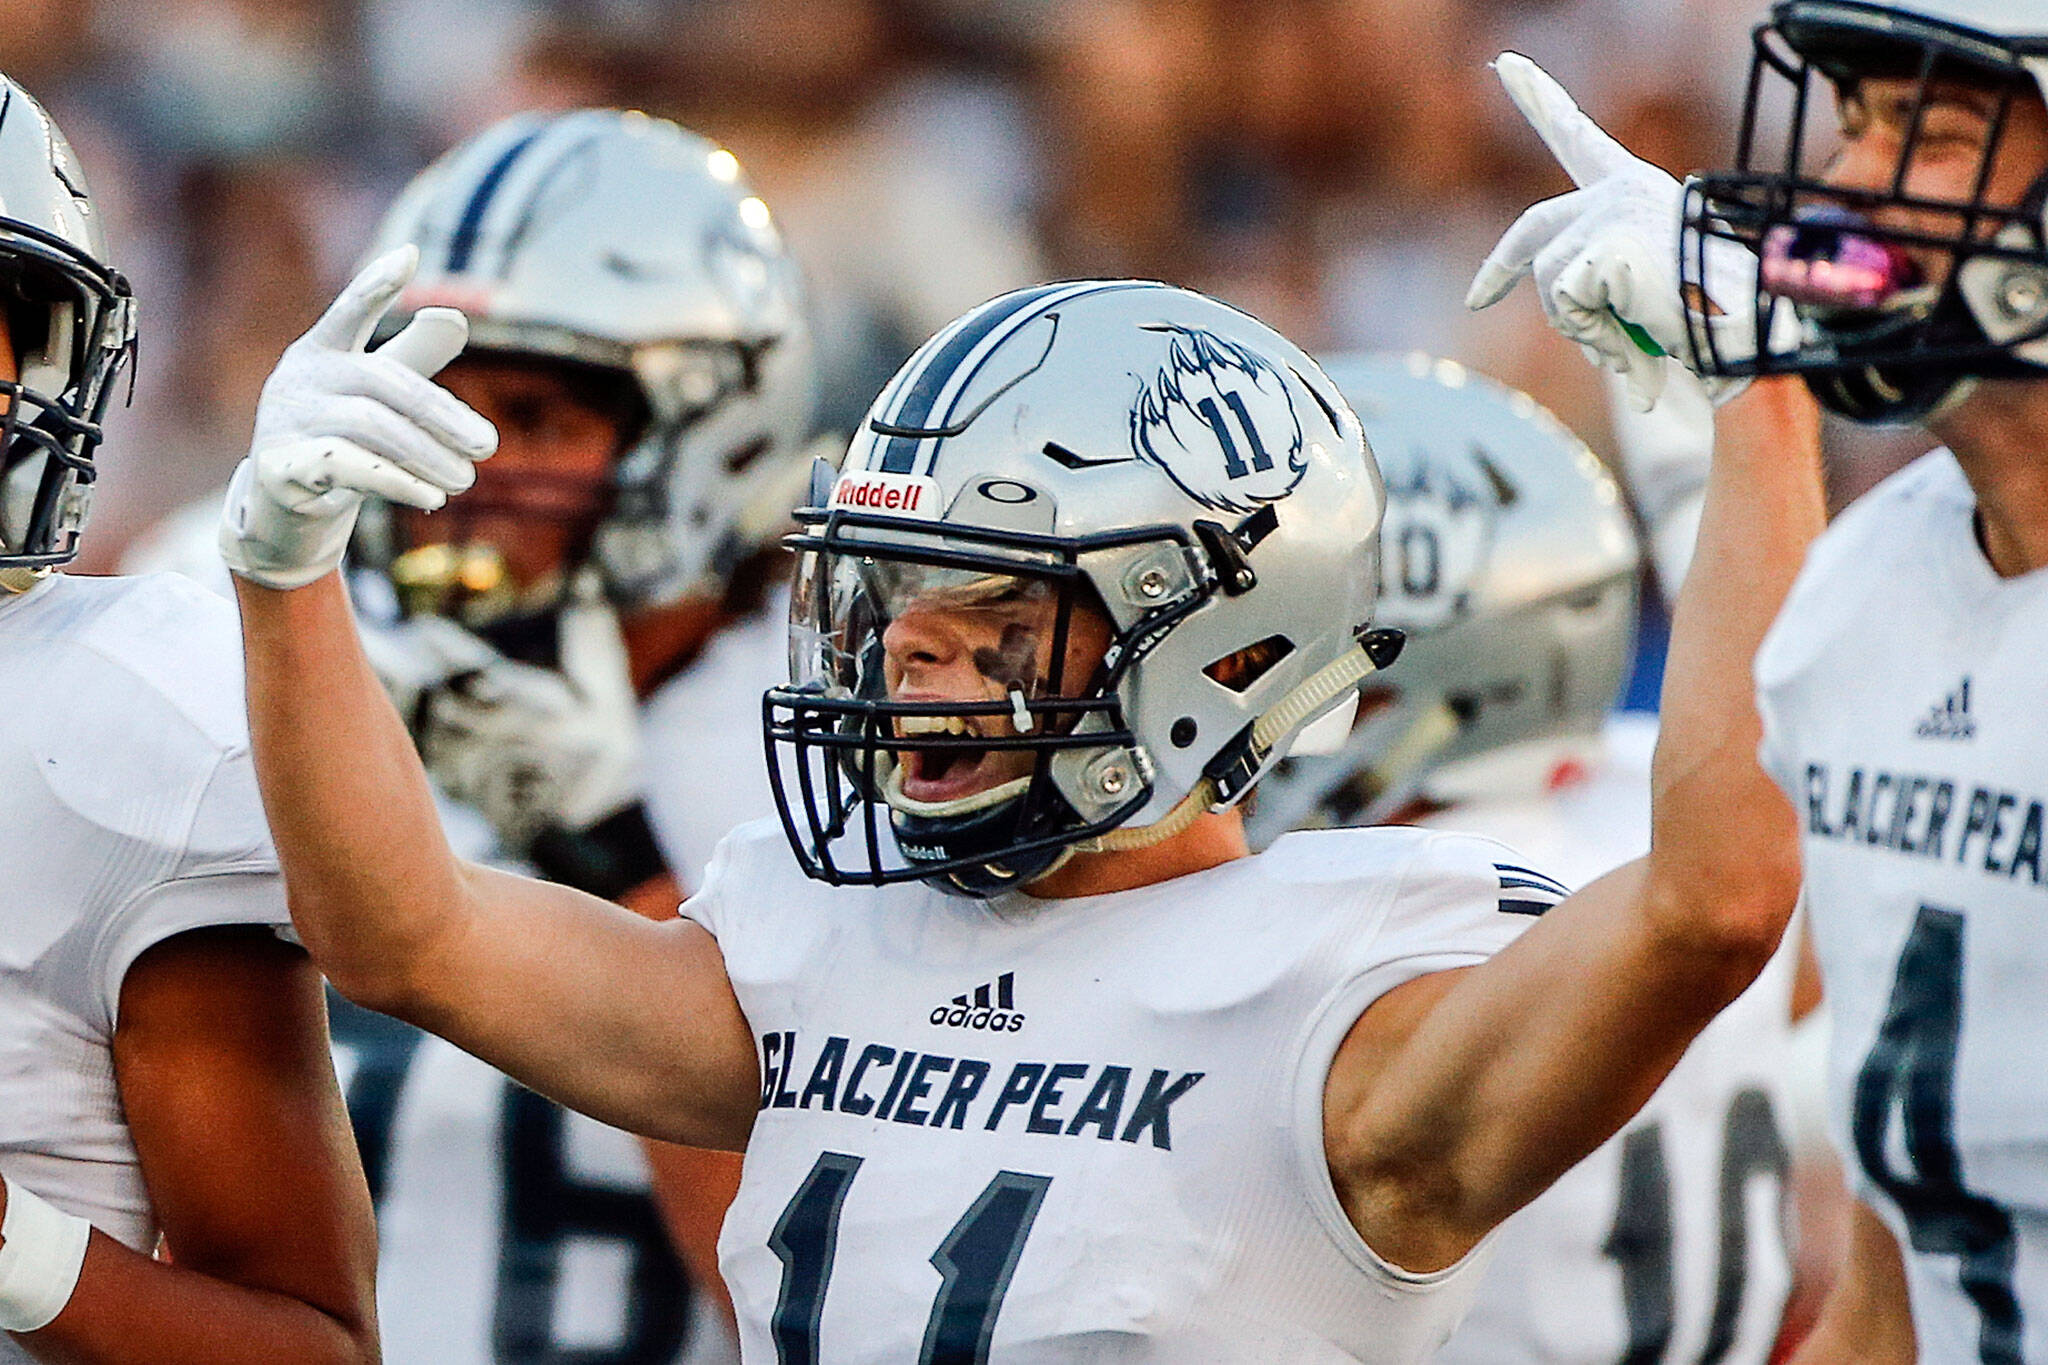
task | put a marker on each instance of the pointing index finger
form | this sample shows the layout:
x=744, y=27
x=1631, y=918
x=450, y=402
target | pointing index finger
x=1580, y=145
x=354, y=314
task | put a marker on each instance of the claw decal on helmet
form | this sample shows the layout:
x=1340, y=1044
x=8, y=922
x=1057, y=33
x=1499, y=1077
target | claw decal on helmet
x=1217, y=419
x=1436, y=540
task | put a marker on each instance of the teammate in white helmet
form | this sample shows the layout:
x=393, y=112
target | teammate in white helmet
x=1511, y=562
x=1883, y=236
x=166, y=1085
x=577, y=644
x=1028, y=1054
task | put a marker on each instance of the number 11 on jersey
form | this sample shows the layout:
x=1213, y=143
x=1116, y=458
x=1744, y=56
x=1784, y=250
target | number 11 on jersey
x=975, y=1262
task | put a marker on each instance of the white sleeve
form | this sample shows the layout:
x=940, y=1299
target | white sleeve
x=706, y=903
x=229, y=832
x=167, y=909
x=227, y=874
x=1461, y=899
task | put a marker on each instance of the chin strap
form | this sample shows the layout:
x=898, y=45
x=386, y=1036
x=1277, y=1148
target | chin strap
x=1241, y=762
x=16, y=581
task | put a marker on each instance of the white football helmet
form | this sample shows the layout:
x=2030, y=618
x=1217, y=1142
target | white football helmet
x=1893, y=321
x=72, y=319
x=1117, y=456
x=1509, y=561
x=625, y=245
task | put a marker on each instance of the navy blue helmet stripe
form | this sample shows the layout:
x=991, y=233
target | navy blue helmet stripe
x=1525, y=907
x=960, y=394
x=1532, y=884
x=462, y=245
x=914, y=411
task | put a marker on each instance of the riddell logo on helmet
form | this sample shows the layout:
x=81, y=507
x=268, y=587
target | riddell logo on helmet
x=991, y=1007
x=899, y=495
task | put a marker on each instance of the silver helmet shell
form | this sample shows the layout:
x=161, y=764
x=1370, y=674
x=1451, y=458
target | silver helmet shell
x=1893, y=322
x=1177, y=464
x=1509, y=560
x=624, y=242
x=72, y=320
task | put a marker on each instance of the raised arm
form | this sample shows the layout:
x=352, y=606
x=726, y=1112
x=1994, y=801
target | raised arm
x=228, y=1090
x=630, y=1021
x=1459, y=1097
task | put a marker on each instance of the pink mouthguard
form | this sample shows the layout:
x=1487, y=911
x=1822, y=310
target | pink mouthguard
x=1827, y=261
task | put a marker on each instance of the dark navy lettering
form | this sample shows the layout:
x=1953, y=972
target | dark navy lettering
x=824, y=1082
x=960, y=1092
x=1023, y=1080
x=2000, y=832
x=919, y=1087
x=1049, y=1095
x=1151, y=1110
x=1104, y=1105
x=874, y=1054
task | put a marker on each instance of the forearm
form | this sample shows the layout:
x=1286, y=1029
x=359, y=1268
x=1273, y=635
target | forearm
x=130, y=1309
x=1506, y=1075
x=694, y=1187
x=1724, y=861
x=372, y=881
x=1866, y=1319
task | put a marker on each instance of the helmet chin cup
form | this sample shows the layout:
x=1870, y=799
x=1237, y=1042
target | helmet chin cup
x=1888, y=394
x=989, y=824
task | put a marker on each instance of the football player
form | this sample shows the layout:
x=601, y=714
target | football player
x=1511, y=562
x=1027, y=1052
x=1883, y=236
x=577, y=643
x=166, y=1083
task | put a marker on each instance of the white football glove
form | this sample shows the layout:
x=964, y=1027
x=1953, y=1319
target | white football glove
x=336, y=422
x=530, y=748
x=1605, y=257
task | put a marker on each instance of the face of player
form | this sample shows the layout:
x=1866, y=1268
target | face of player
x=538, y=499
x=961, y=637
x=10, y=368
x=1876, y=118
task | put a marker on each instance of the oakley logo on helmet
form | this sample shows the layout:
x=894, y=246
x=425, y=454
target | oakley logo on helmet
x=1217, y=419
x=1435, y=541
x=897, y=495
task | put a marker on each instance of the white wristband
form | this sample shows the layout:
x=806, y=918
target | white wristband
x=41, y=1252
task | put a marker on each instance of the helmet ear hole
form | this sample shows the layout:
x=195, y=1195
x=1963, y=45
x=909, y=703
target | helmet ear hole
x=1241, y=670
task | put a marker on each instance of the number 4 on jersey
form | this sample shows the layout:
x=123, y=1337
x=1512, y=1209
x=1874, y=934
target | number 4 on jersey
x=975, y=1262
x=1911, y=1070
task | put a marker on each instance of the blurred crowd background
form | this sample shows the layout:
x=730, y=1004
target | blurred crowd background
x=1338, y=167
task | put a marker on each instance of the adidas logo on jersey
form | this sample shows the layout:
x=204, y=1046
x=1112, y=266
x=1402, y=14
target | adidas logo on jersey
x=1950, y=718
x=991, y=1006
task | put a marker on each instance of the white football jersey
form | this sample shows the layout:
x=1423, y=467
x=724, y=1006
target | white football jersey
x=704, y=771
x=1667, y=1245
x=128, y=814
x=1021, y=1130
x=509, y=1229
x=1905, y=706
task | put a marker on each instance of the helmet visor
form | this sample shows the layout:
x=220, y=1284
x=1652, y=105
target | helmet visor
x=940, y=693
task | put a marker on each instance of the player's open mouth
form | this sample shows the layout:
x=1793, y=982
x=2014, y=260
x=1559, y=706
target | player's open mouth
x=948, y=774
